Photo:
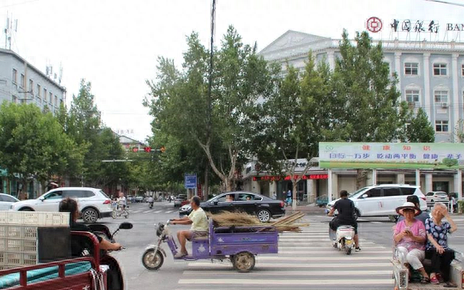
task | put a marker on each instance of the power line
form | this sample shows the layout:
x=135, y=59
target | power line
x=20, y=3
x=446, y=2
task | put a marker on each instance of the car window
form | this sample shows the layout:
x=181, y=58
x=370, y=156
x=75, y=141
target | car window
x=77, y=193
x=429, y=193
x=221, y=198
x=408, y=190
x=7, y=198
x=103, y=193
x=357, y=192
x=246, y=197
x=393, y=191
x=54, y=195
x=374, y=192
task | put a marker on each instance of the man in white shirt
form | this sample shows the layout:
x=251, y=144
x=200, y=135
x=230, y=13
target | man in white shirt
x=197, y=218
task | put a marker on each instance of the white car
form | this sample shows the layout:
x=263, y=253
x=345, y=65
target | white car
x=437, y=196
x=6, y=201
x=382, y=200
x=93, y=203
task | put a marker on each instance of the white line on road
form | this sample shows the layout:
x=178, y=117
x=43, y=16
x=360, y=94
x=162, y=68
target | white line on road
x=291, y=273
x=294, y=265
x=169, y=211
x=158, y=211
x=332, y=258
x=147, y=211
x=287, y=282
x=333, y=251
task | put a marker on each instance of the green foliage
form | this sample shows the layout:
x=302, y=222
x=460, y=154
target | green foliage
x=33, y=143
x=450, y=162
x=420, y=130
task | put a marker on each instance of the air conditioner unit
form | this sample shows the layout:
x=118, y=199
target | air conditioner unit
x=444, y=105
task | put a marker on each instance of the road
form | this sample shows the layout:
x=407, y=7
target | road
x=306, y=260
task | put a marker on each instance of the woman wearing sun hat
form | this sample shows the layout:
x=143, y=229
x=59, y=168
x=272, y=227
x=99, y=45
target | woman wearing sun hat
x=410, y=237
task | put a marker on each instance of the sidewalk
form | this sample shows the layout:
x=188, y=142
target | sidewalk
x=308, y=209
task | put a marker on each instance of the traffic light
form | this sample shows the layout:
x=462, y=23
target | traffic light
x=147, y=149
x=162, y=149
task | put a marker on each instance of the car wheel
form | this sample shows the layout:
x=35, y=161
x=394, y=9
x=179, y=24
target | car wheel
x=264, y=215
x=26, y=209
x=89, y=215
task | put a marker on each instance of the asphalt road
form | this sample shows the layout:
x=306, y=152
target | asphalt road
x=305, y=261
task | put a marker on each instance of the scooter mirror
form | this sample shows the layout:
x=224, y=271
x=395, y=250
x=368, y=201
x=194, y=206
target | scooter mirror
x=125, y=226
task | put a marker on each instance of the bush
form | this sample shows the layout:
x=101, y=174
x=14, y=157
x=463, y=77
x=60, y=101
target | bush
x=460, y=206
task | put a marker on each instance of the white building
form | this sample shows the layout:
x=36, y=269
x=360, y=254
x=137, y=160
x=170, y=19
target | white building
x=21, y=82
x=431, y=76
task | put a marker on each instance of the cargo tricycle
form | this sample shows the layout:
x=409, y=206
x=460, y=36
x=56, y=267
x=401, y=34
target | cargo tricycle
x=239, y=244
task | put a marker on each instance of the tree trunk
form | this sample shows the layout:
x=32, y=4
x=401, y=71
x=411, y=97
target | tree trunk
x=295, y=188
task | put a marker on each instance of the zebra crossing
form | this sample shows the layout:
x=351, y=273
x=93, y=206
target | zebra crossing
x=153, y=211
x=305, y=260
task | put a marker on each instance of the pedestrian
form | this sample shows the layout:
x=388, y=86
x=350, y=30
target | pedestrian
x=437, y=248
x=274, y=195
x=289, y=197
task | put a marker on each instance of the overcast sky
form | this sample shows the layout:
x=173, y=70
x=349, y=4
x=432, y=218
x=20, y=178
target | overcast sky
x=114, y=44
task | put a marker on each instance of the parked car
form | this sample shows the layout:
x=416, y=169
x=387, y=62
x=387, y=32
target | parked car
x=180, y=200
x=263, y=207
x=322, y=200
x=185, y=210
x=93, y=202
x=382, y=200
x=6, y=201
x=434, y=196
x=139, y=198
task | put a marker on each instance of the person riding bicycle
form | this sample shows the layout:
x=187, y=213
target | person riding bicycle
x=346, y=216
x=122, y=202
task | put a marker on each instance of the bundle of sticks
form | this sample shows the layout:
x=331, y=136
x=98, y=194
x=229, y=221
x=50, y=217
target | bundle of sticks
x=242, y=219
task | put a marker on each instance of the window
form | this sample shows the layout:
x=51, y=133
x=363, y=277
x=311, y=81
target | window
x=77, y=193
x=462, y=70
x=375, y=192
x=54, y=195
x=441, y=126
x=51, y=98
x=439, y=69
x=408, y=190
x=394, y=191
x=412, y=96
x=441, y=96
x=14, y=99
x=23, y=81
x=56, y=101
x=411, y=68
x=31, y=86
x=45, y=95
x=14, y=77
x=7, y=198
x=39, y=93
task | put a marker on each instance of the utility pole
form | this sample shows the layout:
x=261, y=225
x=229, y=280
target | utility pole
x=210, y=84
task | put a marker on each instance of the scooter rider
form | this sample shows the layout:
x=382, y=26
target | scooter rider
x=197, y=218
x=346, y=216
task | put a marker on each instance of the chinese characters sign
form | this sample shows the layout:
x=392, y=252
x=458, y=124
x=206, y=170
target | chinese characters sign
x=374, y=24
x=391, y=155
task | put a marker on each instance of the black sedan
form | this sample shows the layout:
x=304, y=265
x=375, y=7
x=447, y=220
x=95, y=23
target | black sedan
x=262, y=206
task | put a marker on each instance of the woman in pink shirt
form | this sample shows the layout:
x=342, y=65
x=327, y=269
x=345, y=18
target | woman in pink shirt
x=410, y=237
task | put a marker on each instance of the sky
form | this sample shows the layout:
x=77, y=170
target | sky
x=115, y=44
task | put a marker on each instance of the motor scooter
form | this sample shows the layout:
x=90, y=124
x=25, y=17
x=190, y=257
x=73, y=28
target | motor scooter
x=343, y=238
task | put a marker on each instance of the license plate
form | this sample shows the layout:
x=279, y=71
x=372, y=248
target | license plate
x=348, y=242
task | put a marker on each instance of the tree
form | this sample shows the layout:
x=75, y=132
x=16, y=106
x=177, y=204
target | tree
x=419, y=129
x=369, y=99
x=294, y=119
x=34, y=143
x=181, y=107
x=99, y=143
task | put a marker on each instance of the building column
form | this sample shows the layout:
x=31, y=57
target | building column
x=335, y=190
x=418, y=181
x=458, y=183
x=400, y=178
x=374, y=177
x=428, y=182
x=255, y=187
x=273, y=189
x=455, y=98
x=331, y=59
x=427, y=98
x=329, y=185
x=311, y=192
x=398, y=69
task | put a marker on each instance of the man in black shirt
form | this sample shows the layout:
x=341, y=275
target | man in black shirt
x=346, y=216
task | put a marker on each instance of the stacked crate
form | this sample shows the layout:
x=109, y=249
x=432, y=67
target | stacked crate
x=18, y=235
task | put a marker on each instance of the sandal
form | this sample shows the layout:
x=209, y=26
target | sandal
x=450, y=285
x=425, y=280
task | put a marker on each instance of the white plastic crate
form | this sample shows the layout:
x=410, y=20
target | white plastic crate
x=17, y=259
x=33, y=218
x=18, y=232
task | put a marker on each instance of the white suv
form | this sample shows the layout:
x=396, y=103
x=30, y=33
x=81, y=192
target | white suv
x=382, y=200
x=93, y=203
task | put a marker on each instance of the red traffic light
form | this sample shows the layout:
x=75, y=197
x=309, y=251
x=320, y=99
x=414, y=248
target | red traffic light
x=147, y=149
